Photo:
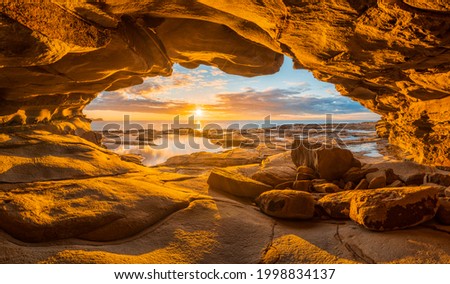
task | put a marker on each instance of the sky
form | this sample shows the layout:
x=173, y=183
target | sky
x=210, y=94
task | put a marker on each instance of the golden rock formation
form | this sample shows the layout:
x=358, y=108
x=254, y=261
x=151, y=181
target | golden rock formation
x=392, y=56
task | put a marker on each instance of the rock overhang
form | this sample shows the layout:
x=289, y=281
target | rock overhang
x=390, y=55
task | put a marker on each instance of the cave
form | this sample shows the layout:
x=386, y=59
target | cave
x=59, y=185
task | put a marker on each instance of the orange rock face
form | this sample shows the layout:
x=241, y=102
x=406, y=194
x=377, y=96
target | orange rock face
x=390, y=55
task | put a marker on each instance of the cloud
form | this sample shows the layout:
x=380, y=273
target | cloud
x=276, y=102
x=125, y=102
x=283, y=102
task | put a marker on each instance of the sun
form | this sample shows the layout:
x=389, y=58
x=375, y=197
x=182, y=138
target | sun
x=198, y=112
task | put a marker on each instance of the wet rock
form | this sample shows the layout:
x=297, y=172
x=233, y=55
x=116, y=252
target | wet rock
x=443, y=213
x=363, y=184
x=337, y=205
x=327, y=187
x=236, y=184
x=287, y=204
x=329, y=162
x=302, y=185
x=394, y=208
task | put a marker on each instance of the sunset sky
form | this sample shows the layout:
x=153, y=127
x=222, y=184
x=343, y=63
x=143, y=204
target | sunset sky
x=214, y=95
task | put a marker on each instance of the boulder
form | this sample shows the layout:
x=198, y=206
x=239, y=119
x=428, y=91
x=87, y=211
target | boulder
x=440, y=179
x=337, y=205
x=236, y=184
x=285, y=185
x=391, y=176
x=327, y=187
x=302, y=185
x=396, y=183
x=287, y=204
x=305, y=170
x=414, y=179
x=377, y=182
x=394, y=208
x=275, y=175
x=363, y=184
x=330, y=162
x=443, y=213
x=376, y=179
x=356, y=174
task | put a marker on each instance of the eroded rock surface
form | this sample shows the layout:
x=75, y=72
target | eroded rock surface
x=394, y=208
x=392, y=55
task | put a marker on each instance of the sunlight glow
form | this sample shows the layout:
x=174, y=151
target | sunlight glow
x=198, y=112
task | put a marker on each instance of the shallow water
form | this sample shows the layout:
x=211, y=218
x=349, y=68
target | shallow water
x=161, y=149
x=368, y=149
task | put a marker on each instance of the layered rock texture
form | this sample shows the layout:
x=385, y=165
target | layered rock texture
x=390, y=55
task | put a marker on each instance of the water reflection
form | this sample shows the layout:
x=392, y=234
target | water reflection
x=368, y=149
x=174, y=145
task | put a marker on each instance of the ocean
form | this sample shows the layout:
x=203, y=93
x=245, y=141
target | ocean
x=223, y=124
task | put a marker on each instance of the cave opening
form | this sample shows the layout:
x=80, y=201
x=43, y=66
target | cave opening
x=215, y=100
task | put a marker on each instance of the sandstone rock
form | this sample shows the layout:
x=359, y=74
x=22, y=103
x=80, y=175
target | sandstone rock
x=92, y=48
x=236, y=184
x=326, y=187
x=394, y=208
x=302, y=185
x=356, y=163
x=304, y=173
x=363, y=184
x=329, y=162
x=415, y=179
x=396, y=183
x=278, y=160
x=287, y=204
x=234, y=157
x=274, y=175
x=305, y=170
x=447, y=192
x=40, y=155
x=356, y=174
x=391, y=176
x=97, y=209
x=440, y=179
x=376, y=179
x=337, y=205
x=302, y=176
x=443, y=213
x=284, y=185
x=377, y=182
x=349, y=185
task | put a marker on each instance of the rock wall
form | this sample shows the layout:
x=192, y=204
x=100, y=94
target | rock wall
x=392, y=56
